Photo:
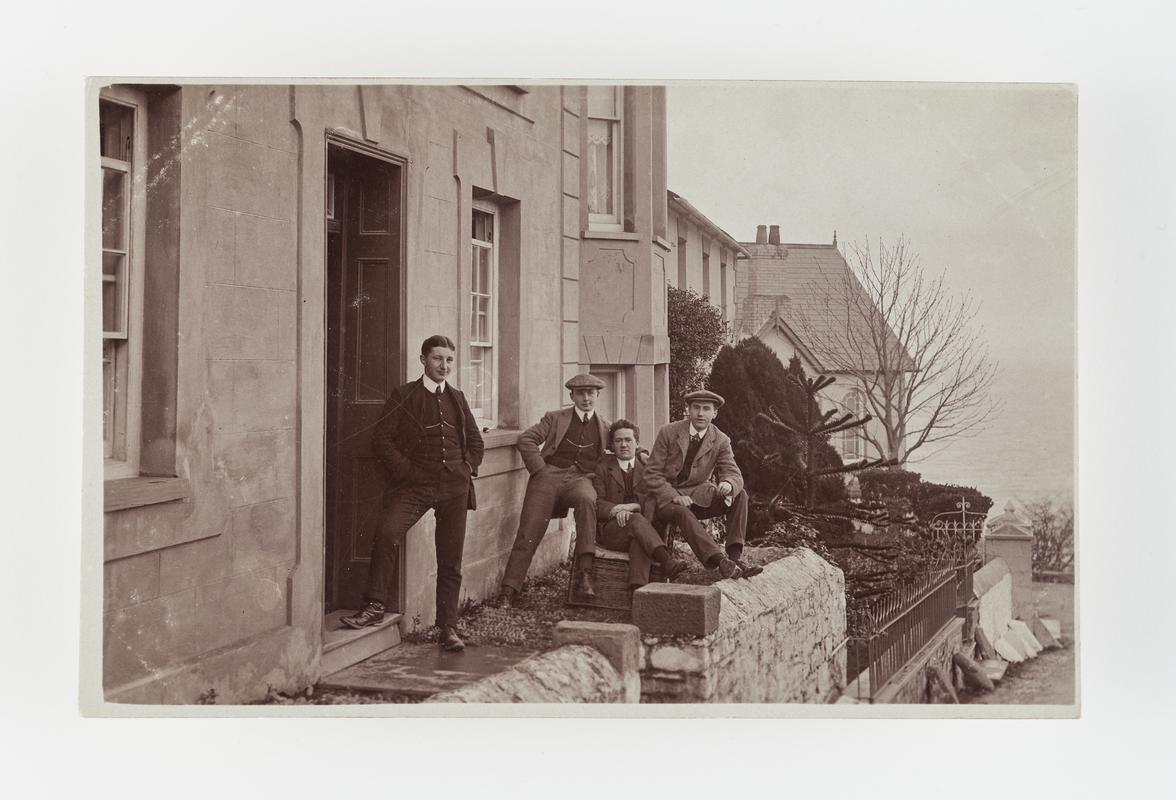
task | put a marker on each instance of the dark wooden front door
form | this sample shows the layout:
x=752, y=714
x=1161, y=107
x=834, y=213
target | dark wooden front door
x=364, y=356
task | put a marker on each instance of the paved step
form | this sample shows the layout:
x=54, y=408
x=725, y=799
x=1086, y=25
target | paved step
x=343, y=646
x=422, y=670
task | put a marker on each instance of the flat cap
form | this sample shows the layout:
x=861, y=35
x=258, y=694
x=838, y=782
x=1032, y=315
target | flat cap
x=584, y=381
x=704, y=396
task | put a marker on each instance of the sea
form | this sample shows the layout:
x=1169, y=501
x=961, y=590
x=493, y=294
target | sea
x=1027, y=452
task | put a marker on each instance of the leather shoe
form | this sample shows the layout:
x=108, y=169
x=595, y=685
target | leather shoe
x=371, y=614
x=729, y=569
x=582, y=587
x=449, y=640
x=507, y=599
x=673, y=568
x=747, y=569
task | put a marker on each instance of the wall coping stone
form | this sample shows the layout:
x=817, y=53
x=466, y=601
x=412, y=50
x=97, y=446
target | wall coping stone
x=673, y=609
x=569, y=674
x=620, y=643
x=989, y=575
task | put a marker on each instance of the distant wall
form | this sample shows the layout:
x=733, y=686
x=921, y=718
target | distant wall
x=779, y=640
x=993, y=587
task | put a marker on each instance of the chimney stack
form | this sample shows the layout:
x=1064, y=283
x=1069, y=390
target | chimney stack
x=774, y=235
x=761, y=234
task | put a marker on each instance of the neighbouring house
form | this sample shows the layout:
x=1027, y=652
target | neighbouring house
x=705, y=256
x=791, y=296
x=271, y=258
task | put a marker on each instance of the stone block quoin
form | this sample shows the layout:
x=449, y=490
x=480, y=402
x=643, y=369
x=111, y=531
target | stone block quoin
x=667, y=609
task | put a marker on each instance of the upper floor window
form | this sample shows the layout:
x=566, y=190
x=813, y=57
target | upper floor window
x=605, y=157
x=482, y=368
x=122, y=161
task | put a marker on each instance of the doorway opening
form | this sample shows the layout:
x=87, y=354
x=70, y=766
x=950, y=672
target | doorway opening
x=364, y=356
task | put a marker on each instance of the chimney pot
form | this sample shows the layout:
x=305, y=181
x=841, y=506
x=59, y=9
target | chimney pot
x=761, y=234
x=774, y=235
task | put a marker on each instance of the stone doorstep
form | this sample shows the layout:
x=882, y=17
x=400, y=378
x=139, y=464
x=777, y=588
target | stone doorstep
x=343, y=646
x=420, y=670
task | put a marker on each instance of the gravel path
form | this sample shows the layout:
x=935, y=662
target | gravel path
x=1048, y=679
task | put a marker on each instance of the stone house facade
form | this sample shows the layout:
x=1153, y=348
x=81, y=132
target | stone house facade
x=272, y=256
x=705, y=257
x=780, y=287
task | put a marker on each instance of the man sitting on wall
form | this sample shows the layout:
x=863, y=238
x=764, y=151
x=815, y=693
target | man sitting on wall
x=430, y=447
x=561, y=451
x=621, y=509
x=687, y=455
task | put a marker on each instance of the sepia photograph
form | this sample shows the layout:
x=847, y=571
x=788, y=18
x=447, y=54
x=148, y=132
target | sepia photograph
x=699, y=392
x=538, y=400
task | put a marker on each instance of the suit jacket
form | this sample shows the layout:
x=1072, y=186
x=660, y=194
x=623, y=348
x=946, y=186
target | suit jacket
x=609, y=483
x=714, y=464
x=401, y=430
x=540, y=440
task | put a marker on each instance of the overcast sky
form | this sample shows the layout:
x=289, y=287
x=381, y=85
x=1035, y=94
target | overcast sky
x=980, y=178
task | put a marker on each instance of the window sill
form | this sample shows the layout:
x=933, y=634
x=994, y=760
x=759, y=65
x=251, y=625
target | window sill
x=125, y=493
x=623, y=236
x=500, y=438
x=663, y=243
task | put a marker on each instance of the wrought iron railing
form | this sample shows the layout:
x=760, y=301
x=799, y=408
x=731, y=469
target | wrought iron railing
x=903, y=622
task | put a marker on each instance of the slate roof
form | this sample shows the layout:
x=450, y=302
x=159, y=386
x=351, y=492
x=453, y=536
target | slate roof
x=786, y=283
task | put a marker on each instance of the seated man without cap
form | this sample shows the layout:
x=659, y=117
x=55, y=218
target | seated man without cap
x=687, y=455
x=622, y=510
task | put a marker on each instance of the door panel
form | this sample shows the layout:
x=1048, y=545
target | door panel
x=364, y=358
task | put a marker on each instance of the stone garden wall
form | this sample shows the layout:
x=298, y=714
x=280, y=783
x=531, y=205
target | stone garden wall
x=569, y=674
x=779, y=639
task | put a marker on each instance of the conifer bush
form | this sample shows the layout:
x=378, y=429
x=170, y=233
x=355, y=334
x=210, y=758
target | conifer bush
x=751, y=379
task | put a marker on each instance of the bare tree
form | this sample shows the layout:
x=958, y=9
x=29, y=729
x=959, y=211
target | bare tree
x=1053, y=535
x=909, y=345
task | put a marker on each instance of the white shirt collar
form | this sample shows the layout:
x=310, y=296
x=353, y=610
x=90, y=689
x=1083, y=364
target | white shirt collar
x=625, y=465
x=698, y=433
x=431, y=385
x=585, y=418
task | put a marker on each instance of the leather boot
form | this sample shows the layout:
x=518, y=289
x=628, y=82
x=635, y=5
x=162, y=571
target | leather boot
x=582, y=588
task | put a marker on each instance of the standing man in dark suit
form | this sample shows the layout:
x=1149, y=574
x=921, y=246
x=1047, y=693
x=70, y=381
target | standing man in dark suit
x=430, y=447
x=621, y=509
x=692, y=476
x=561, y=451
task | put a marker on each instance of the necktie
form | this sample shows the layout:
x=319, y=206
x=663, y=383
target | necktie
x=438, y=392
x=688, y=460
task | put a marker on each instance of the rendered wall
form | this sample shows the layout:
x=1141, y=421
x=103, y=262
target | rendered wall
x=779, y=640
x=223, y=591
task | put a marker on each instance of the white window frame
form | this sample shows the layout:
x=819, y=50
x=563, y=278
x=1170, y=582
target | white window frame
x=486, y=418
x=616, y=125
x=121, y=446
x=853, y=440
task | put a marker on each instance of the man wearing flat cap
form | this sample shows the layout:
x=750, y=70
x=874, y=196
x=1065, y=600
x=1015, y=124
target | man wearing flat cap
x=561, y=452
x=692, y=476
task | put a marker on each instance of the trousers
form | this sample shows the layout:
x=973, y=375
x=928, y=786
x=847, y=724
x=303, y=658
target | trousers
x=688, y=520
x=638, y=538
x=406, y=507
x=548, y=489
